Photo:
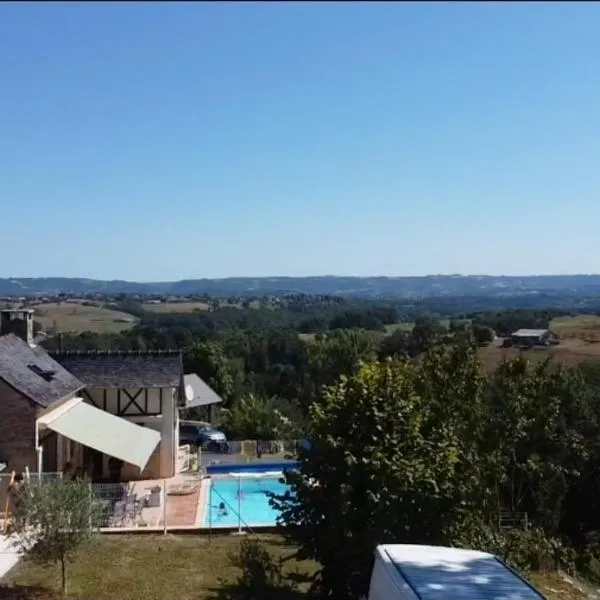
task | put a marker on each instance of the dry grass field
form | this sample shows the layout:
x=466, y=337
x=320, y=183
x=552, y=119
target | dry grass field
x=176, y=307
x=569, y=352
x=74, y=317
x=583, y=327
x=148, y=567
x=579, y=338
x=191, y=307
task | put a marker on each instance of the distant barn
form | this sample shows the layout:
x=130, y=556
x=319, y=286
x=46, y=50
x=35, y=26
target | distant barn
x=530, y=337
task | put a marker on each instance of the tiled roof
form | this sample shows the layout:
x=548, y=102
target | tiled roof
x=33, y=373
x=154, y=369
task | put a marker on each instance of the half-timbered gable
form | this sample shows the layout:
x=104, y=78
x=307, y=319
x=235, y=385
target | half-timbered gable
x=128, y=384
x=145, y=388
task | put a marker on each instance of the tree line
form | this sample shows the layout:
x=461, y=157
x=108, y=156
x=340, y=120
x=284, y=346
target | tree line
x=432, y=451
x=275, y=357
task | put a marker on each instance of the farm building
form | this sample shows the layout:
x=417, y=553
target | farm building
x=530, y=337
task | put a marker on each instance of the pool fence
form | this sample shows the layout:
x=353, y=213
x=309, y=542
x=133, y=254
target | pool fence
x=186, y=502
x=215, y=497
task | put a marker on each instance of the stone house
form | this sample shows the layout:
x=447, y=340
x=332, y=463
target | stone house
x=113, y=414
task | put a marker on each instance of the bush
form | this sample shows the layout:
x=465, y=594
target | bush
x=261, y=575
x=524, y=550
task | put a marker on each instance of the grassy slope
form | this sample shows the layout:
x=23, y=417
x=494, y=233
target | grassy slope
x=71, y=316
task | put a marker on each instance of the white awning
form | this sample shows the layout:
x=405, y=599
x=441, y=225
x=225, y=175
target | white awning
x=102, y=431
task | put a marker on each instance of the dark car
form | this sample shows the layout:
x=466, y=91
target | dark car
x=203, y=436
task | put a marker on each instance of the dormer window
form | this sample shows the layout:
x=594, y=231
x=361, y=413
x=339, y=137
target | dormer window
x=45, y=375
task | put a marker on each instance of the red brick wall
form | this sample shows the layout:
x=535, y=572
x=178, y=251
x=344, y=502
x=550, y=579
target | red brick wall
x=17, y=430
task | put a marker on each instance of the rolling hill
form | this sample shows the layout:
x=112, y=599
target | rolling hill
x=366, y=287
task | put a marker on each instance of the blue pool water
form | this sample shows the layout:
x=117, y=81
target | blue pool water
x=252, y=504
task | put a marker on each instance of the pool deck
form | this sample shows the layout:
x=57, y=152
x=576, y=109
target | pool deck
x=203, y=501
x=179, y=510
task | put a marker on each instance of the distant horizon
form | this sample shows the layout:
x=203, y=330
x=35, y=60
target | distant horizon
x=223, y=278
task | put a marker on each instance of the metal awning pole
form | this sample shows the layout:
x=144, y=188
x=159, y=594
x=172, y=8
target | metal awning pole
x=210, y=509
x=39, y=449
x=239, y=505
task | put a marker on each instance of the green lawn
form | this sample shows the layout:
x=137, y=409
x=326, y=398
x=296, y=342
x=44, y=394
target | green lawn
x=185, y=567
x=408, y=327
x=149, y=567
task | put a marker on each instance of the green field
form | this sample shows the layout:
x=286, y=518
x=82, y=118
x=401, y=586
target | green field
x=407, y=327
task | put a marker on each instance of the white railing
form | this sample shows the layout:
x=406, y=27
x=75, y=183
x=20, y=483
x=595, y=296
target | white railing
x=184, y=456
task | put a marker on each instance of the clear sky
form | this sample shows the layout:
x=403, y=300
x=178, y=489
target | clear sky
x=162, y=141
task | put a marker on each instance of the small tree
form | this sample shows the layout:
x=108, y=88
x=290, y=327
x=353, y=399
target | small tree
x=483, y=334
x=52, y=521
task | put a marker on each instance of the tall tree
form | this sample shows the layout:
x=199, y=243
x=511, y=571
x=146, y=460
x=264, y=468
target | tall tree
x=255, y=418
x=339, y=353
x=427, y=332
x=388, y=462
x=537, y=423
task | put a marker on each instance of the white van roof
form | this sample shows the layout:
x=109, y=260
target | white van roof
x=442, y=573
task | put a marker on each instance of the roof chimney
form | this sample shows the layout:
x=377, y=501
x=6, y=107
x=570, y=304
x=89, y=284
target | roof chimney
x=18, y=321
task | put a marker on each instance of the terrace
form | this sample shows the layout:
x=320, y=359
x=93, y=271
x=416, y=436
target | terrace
x=174, y=503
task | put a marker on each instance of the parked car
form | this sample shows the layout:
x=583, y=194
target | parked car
x=203, y=436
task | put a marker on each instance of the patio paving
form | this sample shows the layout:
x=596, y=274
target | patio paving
x=181, y=510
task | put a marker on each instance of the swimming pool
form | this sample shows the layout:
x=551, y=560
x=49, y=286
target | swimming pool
x=246, y=497
x=243, y=491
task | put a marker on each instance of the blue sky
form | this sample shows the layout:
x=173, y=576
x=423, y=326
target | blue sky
x=162, y=141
